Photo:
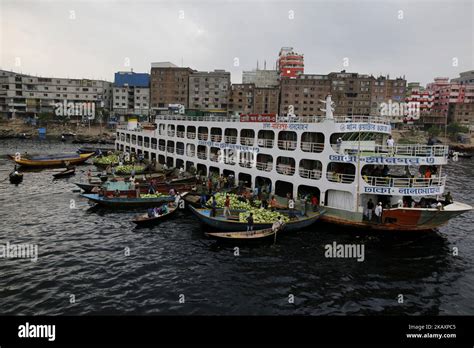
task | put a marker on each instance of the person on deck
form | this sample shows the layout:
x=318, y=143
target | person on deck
x=273, y=203
x=177, y=199
x=264, y=199
x=164, y=209
x=370, y=209
x=379, y=212
x=250, y=222
x=203, y=200
x=314, y=203
x=214, y=206
x=448, y=199
x=227, y=206
x=277, y=224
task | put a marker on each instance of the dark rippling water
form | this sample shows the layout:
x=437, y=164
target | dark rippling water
x=81, y=253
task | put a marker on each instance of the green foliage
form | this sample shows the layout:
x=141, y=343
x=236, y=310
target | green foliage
x=433, y=131
x=455, y=128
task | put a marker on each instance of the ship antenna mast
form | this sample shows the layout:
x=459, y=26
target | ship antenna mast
x=329, y=107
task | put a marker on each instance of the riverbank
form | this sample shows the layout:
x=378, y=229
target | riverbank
x=80, y=133
x=406, y=137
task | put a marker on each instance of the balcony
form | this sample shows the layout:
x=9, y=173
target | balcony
x=312, y=147
x=170, y=149
x=229, y=139
x=313, y=174
x=265, y=143
x=289, y=145
x=180, y=134
x=216, y=137
x=191, y=135
x=179, y=151
x=201, y=155
x=285, y=169
x=247, y=141
x=404, y=182
x=202, y=136
x=340, y=178
x=264, y=166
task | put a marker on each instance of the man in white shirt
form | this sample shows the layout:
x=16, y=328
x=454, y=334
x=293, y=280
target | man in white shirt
x=277, y=224
x=378, y=212
x=390, y=144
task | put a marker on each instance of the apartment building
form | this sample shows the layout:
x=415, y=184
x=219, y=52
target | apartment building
x=261, y=78
x=266, y=100
x=24, y=95
x=290, y=64
x=351, y=92
x=209, y=91
x=241, y=96
x=303, y=94
x=131, y=94
x=388, y=91
x=169, y=85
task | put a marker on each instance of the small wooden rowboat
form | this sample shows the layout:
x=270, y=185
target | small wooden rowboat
x=244, y=235
x=127, y=202
x=65, y=173
x=232, y=224
x=15, y=178
x=52, y=160
x=145, y=220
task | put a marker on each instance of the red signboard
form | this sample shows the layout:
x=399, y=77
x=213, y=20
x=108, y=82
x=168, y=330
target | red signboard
x=258, y=118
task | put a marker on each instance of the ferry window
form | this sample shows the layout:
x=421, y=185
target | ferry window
x=287, y=140
x=247, y=137
x=312, y=142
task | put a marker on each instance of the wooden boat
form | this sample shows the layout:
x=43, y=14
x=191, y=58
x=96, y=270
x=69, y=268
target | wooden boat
x=65, y=173
x=244, y=235
x=232, y=224
x=145, y=220
x=126, y=202
x=52, y=160
x=15, y=178
x=87, y=187
x=96, y=150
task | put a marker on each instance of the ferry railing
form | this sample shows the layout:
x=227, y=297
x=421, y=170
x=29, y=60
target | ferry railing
x=180, y=134
x=134, y=141
x=145, y=144
x=179, y=151
x=265, y=142
x=245, y=163
x=190, y=153
x=201, y=155
x=246, y=141
x=285, y=169
x=191, y=135
x=404, y=182
x=287, y=144
x=314, y=174
x=312, y=147
x=170, y=149
x=415, y=150
x=264, y=166
x=153, y=146
x=140, y=143
x=161, y=147
x=216, y=137
x=214, y=157
x=230, y=139
x=202, y=136
x=171, y=133
x=362, y=119
x=341, y=178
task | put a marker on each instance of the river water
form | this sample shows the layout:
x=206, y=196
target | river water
x=82, y=266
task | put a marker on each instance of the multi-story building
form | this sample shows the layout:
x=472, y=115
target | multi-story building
x=28, y=96
x=241, y=98
x=265, y=100
x=169, y=85
x=443, y=94
x=289, y=63
x=462, y=113
x=466, y=77
x=209, y=91
x=388, y=91
x=303, y=94
x=351, y=92
x=131, y=94
x=261, y=78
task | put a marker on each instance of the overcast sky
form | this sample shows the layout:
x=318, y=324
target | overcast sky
x=94, y=39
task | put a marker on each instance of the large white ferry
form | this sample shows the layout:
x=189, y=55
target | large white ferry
x=344, y=160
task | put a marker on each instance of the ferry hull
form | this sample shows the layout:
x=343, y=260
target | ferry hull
x=398, y=219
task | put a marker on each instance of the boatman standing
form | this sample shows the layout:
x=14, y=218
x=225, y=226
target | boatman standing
x=277, y=224
x=379, y=212
x=227, y=206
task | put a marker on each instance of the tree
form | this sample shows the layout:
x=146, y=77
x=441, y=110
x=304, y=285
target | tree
x=433, y=131
x=454, y=129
